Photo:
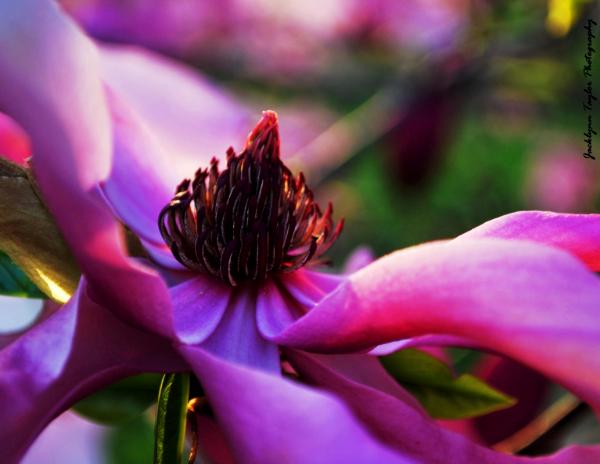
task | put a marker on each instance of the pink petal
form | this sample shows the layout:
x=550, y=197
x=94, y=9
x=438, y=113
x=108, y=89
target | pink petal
x=79, y=349
x=403, y=427
x=14, y=143
x=49, y=83
x=579, y=234
x=237, y=338
x=198, y=306
x=268, y=419
x=535, y=304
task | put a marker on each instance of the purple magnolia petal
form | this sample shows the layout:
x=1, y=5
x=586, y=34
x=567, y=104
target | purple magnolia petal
x=358, y=259
x=136, y=188
x=579, y=234
x=282, y=302
x=268, y=419
x=198, y=306
x=191, y=118
x=49, y=83
x=237, y=337
x=401, y=426
x=79, y=349
x=527, y=386
x=535, y=304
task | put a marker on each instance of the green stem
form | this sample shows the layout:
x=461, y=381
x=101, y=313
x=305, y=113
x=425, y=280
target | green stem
x=169, y=431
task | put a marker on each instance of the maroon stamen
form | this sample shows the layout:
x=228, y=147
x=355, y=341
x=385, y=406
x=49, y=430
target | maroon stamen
x=250, y=220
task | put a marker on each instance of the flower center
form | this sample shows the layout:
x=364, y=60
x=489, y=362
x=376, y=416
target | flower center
x=249, y=220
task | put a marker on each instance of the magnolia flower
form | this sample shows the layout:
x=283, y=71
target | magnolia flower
x=224, y=310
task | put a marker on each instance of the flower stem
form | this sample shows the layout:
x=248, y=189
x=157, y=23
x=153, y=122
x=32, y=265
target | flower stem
x=169, y=430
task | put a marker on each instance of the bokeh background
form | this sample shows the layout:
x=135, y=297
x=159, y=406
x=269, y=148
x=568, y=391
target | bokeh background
x=418, y=119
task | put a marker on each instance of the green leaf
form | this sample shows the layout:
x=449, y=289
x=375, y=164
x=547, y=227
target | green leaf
x=121, y=401
x=14, y=282
x=29, y=235
x=169, y=432
x=441, y=394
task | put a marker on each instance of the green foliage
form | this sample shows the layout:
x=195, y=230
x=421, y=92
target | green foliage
x=14, y=282
x=121, y=401
x=130, y=442
x=443, y=395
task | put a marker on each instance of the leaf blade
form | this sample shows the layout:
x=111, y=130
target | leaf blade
x=443, y=395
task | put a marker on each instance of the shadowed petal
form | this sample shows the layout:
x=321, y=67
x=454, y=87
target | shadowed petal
x=49, y=84
x=527, y=386
x=405, y=428
x=577, y=233
x=270, y=420
x=535, y=304
x=77, y=350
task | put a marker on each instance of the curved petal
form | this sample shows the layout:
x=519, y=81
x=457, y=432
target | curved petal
x=403, y=427
x=198, y=306
x=535, y=304
x=77, y=350
x=20, y=315
x=359, y=258
x=237, y=338
x=268, y=419
x=191, y=118
x=578, y=234
x=49, y=83
x=282, y=301
x=135, y=188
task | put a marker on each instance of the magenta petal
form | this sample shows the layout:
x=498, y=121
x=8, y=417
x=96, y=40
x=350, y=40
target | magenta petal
x=270, y=420
x=14, y=143
x=49, y=83
x=402, y=426
x=198, y=307
x=359, y=258
x=577, y=233
x=237, y=338
x=77, y=350
x=535, y=304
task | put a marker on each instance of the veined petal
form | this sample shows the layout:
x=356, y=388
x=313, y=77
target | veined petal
x=403, y=427
x=79, y=349
x=50, y=84
x=535, y=304
x=578, y=234
x=268, y=419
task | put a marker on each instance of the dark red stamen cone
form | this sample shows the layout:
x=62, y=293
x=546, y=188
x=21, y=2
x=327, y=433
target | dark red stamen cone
x=249, y=220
